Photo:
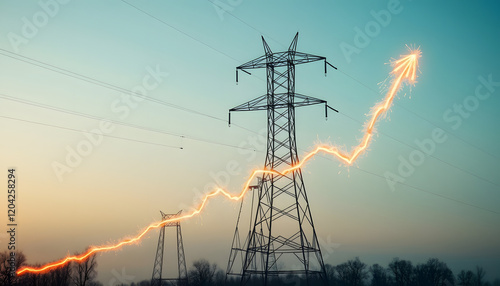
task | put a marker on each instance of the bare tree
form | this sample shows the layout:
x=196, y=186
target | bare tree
x=56, y=277
x=465, y=278
x=330, y=274
x=202, y=273
x=352, y=272
x=402, y=272
x=60, y=276
x=479, y=276
x=85, y=272
x=8, y=258
x=35, y=279
x=342, y=271
x=433, y=273
x=379, y=275
x=220, y=278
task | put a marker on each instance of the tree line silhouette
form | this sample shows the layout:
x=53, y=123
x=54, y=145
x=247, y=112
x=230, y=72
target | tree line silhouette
x=202, y=273
x=77, y=274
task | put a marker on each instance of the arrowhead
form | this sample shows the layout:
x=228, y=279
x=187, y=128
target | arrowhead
x=406, y=67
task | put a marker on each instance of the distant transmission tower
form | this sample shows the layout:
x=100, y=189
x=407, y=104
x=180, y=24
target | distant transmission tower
x=157, y=279
x=282, y=239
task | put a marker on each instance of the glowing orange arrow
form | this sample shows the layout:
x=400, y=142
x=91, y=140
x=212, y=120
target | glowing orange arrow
x=405, y=69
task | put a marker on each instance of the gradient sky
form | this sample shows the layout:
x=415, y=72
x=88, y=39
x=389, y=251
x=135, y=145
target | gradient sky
x=446, y=208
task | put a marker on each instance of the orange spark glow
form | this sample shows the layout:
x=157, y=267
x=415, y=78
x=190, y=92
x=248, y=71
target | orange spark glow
x=405, y=69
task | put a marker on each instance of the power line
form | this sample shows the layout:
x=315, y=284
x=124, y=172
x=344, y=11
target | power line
x=434, y=194
x=374, y=91
x=178, y=30
x=246, y=23
x=358, y=81
x=423, y=118
x=177, y=147
x=371, y=89
x=430, y=155
x=88, y=132
x=98, y=82
x=75, y=113
x=91, y=80
x=399, y=106
x=110, y=86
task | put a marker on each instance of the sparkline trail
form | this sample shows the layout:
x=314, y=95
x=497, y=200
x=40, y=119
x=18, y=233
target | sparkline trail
x=404, y=70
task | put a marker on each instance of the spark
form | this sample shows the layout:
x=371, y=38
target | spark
x=404, y=70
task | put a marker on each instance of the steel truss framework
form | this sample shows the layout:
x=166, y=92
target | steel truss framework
x=157, y=279
x=282, y=239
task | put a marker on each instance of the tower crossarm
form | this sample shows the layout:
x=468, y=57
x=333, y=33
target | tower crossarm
x=281, y=101
x=280, y=59
x=170, y=216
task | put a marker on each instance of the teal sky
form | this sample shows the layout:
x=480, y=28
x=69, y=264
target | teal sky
x=447, y=206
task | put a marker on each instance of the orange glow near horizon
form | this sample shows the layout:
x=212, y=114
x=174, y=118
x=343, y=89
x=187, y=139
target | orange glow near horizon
x=404, y=69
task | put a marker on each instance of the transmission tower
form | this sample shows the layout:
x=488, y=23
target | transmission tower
x=157, y=279
x=282, y=239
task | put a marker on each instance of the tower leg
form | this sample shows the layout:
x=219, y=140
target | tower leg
x=181, y=259
x=157, y=268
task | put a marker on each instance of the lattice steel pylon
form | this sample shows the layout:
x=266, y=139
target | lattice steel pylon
x=282, y=239
x=157, y=279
